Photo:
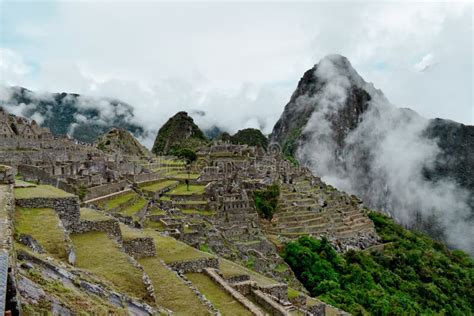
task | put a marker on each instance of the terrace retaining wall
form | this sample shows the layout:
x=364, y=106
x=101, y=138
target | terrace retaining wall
x=105, y=189
x=67, y=207
x=139, y=247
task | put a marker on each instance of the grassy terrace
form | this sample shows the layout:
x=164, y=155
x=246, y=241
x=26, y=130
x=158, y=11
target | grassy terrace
x=191, y=211
x=46, y=191
x=159, y=185
x=229, y=268
x=156, y=211
x=93, y=215
x=98, y=254
x=225, y=303
x=182, y=175
x=135, y=207
x=170, y=291
x=130, y=233
x=182, y=189
x=171, y=250
x=43, y=225
x=117, y=201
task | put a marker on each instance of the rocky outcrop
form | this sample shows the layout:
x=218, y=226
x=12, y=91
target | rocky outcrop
x=118, y=140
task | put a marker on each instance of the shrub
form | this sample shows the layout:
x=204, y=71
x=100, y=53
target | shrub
x=266, y=201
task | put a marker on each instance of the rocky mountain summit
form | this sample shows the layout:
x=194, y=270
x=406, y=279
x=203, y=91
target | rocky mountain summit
x=348, y=133
x=120, y=141
x=179, y=131
x=81, y=117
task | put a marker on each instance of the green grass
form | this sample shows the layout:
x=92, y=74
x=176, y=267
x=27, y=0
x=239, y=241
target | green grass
x=225, y=303
x=156, y=211
x=130, y=233
x=204, y=213
x=183, y=190
x=97, y=253
x=176, y=175
x=135, y=207
x=281, y=268
x=154, y=225
x=155, y=187
x=170, y=291
x=43, y=225
x=229, y=268
x=93, y=215
x=24, y=184
x=117, y=201
x=171, y=250
x=46, y=191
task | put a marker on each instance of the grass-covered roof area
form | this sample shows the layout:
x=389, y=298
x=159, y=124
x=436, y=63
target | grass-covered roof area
x=170, y=291
x=158, y=186
x=43, y=190
x=225, y=303
x=43, y=224
x=97, y=253
x=93, y=215
x=182, y=189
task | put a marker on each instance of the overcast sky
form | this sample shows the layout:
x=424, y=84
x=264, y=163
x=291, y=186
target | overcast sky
x=238, y=62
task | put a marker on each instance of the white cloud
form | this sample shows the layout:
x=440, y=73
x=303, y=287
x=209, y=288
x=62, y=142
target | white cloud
x=246, y=58
x=12, y=67
x=425, y=63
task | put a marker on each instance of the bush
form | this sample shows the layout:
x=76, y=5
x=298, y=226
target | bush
x=185, y=154
x=266, y=201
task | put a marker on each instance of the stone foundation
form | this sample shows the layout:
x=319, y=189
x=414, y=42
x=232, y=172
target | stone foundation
x=195, y=265
x=7, y=175
x=139, y=247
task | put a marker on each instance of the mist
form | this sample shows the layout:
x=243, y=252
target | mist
x=383, y=160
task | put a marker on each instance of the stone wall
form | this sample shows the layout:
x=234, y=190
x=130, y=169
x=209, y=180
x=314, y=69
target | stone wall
x=35, y=174
x=67, y=207
x=195, y=265
x=102, y=190
x=7, y=175
x=139, y=247
x=269, y=304
x=232, y=292
x=110, y=226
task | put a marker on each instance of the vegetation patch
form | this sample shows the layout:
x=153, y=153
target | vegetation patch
x=130, y=210
x=182, y=189
x=225, y=303
x=117, y=201
x=43, y=190
x=43, y=224
x=170, y=290
x=93, y=215
x=412, y=275
x=155, y=187
x=170, y=250
x=96, y=252
x=266, y=201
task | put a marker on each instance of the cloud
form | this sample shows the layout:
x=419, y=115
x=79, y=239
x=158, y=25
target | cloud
x=426, y=63
x=12, y=67
x=241, y=58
